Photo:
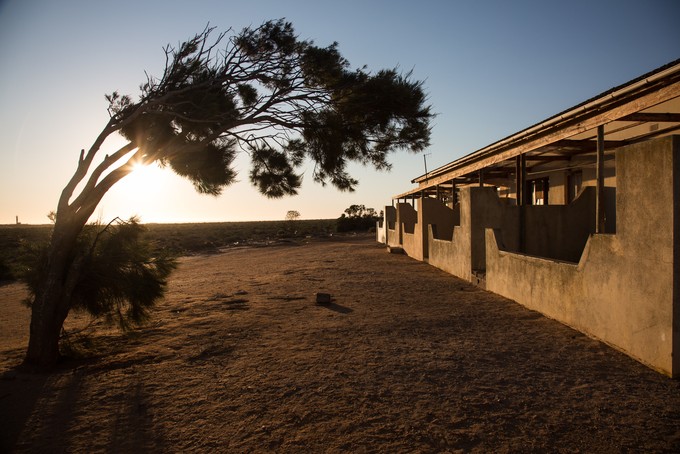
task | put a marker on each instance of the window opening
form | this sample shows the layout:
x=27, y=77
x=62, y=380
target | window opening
x=575, y=183
x=538, y=191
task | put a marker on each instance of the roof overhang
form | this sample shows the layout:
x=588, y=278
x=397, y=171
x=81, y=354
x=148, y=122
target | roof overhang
x=644, y=108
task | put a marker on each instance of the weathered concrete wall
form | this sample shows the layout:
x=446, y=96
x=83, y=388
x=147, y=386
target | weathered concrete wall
x=407, y=217
x=386, y=224
x=411, y=239
x=412, y=245
x=452, y=256
x=381, y=231
x=393, y=237
x=560, y=231
x=433, y=212
x=557, y=195
x=449, y=245
x=488, y=211
x=390, y=216
x=624, y=289
x=464, y=251
x=443, y=230
x=414, y=222
x=589, y=180
x=557, y=232
x=403, y=213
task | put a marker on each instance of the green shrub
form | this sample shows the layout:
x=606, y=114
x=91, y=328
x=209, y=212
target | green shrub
x=118, y=275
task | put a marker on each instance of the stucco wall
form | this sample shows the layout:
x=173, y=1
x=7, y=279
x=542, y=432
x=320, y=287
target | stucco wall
x=556, y=193
x=486, y=210
x=407, y=222
x=589, y=180
x=464, y=251
x=403, y=214
x=557, y=232
x=560, y=231
x=381, y=231
x=433, y=212
x=624, y=288
x=393, y=237
x=387, y=223
x=452, y=256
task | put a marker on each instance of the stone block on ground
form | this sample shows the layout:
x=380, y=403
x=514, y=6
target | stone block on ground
x=323, y=298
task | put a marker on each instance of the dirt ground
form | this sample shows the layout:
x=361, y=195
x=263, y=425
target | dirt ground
x=406, y=358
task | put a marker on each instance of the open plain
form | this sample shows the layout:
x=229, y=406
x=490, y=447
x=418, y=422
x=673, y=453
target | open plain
x=239, y=358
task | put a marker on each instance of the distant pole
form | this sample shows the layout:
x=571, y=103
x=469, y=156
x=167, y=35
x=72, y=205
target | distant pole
x=425, y=162
x=17, y=220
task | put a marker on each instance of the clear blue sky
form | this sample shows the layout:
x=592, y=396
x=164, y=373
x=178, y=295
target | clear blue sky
x=491, y=68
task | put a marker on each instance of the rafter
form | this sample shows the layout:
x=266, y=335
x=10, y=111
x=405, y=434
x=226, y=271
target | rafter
x=658, y=117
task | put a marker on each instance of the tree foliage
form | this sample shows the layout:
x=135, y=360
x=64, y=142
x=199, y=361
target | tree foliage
x=281, y=99
x=357, y=218
x=292, y=215
x=118, y=275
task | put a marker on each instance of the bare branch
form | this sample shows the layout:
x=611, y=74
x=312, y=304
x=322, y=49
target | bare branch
x=106, y=163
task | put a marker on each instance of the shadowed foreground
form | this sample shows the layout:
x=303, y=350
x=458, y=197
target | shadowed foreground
x=406, y=358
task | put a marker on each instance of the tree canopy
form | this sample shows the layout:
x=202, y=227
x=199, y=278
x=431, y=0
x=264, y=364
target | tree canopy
x=263, y=91
x=292, y=215
x=266, y=92
x=357, y=217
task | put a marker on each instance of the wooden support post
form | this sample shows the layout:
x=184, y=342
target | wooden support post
x=599, y=185
x=520, y=183
x=453, y=193
x=438, y=194
x=519, y=180
x=481, y=178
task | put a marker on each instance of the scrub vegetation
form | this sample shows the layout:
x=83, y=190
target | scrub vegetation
x=177, y=239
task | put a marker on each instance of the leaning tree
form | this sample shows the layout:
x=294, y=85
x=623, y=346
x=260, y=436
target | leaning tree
x=262, y=91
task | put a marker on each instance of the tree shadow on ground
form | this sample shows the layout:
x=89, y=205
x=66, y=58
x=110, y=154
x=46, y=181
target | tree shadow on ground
x=37, y=409
x=19, y=393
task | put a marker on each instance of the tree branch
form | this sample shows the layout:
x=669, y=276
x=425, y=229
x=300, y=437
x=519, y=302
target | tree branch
x=106, y=163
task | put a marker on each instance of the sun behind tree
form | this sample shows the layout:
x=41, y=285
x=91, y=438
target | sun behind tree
x=265, y=92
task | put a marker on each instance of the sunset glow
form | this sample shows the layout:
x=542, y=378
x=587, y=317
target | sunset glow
x=144, y=171
x=144, y=181
x=457, y=48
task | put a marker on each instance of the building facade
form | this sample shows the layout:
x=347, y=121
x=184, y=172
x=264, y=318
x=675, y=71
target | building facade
x=575, y=217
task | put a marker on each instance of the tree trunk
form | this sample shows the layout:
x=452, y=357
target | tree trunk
x=52, y=300
x=46, y=324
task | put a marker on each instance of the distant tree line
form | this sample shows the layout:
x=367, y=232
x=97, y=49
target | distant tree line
x=357, y=218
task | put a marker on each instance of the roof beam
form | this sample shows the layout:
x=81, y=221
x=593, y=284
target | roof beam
x=586, y=145
x=525, y=142
x=657, y=117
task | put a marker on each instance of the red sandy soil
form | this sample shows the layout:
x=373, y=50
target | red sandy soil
x=406, y=358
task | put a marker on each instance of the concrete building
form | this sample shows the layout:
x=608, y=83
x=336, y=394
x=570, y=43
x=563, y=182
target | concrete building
x=574, y=217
